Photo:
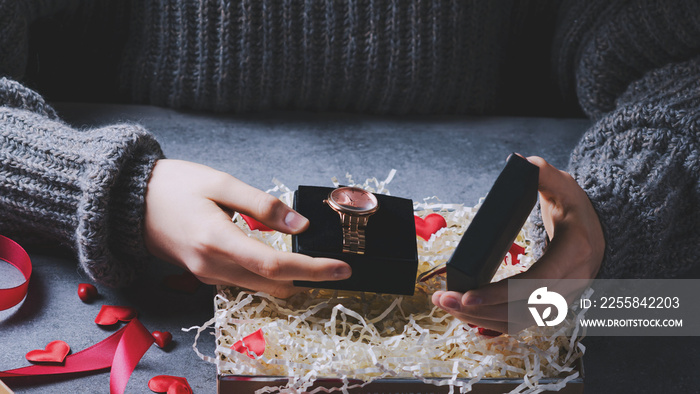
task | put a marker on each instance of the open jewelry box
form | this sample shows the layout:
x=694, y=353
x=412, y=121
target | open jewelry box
x=336, y=340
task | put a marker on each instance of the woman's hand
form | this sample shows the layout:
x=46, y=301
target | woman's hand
x=575, y=251
x=188, y=222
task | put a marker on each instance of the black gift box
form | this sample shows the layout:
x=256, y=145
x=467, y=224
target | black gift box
x=494, y=227
x=390, y=262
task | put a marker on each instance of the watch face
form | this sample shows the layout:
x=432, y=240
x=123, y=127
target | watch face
x=354, y=200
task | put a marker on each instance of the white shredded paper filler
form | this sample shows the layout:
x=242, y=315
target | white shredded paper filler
x=367, y=336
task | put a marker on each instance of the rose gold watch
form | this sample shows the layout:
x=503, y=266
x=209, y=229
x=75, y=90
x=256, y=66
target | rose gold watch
x=355, y=206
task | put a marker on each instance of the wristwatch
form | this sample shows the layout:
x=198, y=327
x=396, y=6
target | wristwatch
x=355, y=206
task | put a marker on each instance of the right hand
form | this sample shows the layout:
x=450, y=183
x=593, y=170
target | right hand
x=575, y=252
x=188, y=223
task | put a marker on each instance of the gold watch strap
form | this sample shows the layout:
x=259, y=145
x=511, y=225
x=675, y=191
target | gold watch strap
x=354, y=233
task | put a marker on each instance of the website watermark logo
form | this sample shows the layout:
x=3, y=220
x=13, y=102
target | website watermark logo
x=543, y=297
x=604, y=307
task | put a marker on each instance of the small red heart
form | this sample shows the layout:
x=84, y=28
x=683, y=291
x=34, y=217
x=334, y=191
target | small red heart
x=254, y=224
x=515, y=252
x=254, y=342
x=489, y=333
x=163, y=338
x=110, y=314
x=185, y=282
x=169, y=384
x=430, y=225
x=485, y=331
x=87, y=292
x=55, y=352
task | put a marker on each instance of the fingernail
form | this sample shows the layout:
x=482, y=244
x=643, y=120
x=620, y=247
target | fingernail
x=343, y=272
x=450, y=302
x=295, y=221
x=473, y=300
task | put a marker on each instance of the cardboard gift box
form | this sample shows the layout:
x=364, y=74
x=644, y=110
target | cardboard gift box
x=230, y=384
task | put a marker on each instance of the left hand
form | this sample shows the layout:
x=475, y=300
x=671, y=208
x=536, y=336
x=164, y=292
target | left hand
x=188, y=223
x=575, y=251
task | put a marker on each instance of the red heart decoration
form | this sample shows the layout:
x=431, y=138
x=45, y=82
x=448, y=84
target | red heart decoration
x=515, y=251
x=169, y=384
x=110, y=314
x=430, y=225
x=489, y=333
x=254, y=342
x=185, y=282
x=163, y=338
x=254, y=224
x=55, y=352
x=486, y=331
x=87, y=292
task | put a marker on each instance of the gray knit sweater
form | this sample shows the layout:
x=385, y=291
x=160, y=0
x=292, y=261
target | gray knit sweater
x=632, y=67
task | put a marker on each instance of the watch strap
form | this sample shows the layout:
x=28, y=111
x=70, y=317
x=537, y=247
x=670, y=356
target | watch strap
x=354, y=233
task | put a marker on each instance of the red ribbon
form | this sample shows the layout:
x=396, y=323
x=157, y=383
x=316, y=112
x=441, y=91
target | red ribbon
x=121, y=351
x=11, y=252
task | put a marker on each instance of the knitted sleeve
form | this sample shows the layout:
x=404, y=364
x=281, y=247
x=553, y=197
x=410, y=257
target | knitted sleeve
x=80, y=188
x=640, y=166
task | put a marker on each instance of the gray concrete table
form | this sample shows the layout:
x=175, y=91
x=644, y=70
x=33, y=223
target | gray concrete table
x=453, y=158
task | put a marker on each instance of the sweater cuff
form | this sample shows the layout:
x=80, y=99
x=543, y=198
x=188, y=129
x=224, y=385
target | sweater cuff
x=110, y=239
x=83, y=188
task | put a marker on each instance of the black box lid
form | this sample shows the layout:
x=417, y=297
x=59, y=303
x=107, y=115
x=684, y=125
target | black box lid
x=494, y=227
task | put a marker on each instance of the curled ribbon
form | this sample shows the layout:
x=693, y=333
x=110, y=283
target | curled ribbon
x=121, y=351
x=12, y=253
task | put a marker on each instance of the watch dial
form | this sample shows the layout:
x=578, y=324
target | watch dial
x=354, y=198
